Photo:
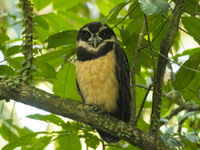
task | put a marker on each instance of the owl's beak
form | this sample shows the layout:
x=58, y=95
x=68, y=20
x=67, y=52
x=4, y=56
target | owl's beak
x=95, y=42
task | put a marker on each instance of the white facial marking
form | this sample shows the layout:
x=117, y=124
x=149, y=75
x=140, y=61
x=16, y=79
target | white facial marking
x=90, y=48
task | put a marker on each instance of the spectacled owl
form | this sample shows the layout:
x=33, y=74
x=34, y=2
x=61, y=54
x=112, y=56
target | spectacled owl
x=102, y=73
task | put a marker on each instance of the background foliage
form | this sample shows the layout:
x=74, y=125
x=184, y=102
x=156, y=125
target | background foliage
x=56, y=24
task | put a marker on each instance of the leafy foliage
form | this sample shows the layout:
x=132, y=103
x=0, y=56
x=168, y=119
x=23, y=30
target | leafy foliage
x=56, y=25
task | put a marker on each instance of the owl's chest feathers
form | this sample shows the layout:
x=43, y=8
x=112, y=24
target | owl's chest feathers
x=97, y=81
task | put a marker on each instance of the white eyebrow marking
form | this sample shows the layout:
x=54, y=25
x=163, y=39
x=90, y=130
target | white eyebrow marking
x=102, y=28
x=86, y=29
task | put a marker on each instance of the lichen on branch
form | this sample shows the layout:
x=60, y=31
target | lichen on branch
x=83, y=113
x=28, y=38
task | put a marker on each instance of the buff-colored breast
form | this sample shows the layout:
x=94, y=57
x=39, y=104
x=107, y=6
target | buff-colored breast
x=97, y=81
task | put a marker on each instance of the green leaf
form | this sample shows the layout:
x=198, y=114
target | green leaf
x=142, y=125
x=158, y=27
x=135, y=26
x=40, y=21
x=16, y=62
x=65, y=4
x=91, y=140
x=192, y=137
x=77, y=19
x=115, y=11
x=57, y=22
x=13, y=50
x=65, y=83
x=6, y=70
x=3, y=38
x=48, y=118
x=181, y=118
x=41, y=33
x=62, y=38
x=174, y=143
x=151, y=7
x=45, y=70
x=170, y=131
x=189, y=145
x=67, y=142
x=39, y=4
x=7, y=133
x=191, y=52
x=192, y=25
x=191, y=91
x=55, y=58
x=29, y=140
x=40, y=143
x=184, y=76
x=192, y=7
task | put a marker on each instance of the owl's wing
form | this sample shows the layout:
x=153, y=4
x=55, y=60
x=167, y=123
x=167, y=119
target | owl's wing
x=79, y=91
x=123, y=77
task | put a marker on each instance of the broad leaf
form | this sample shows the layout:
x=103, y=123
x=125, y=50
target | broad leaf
x=45, y=70
x=192, y=7
x=16, y=62
x=151, y=7
x=115, y=11
x=13, y=50
x=91, y=140
x=56, y=58
x=57, y=22
x=184, y=76
x=3, y=38
x=48, y=118
x=67, y=142
x=7, y=133
x=62, y=38
x=191, y=91
x=192, y=25
x=191, y=52
x=192, y=137
x=65, y=4
x=6, y=70
x=39, y=4
x=65, y=83
x=29, y=141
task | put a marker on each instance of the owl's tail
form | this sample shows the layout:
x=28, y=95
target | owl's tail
x=107, y=137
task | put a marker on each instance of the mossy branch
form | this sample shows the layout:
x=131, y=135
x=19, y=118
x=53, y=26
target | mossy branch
x=28, y=41
x=83, y=113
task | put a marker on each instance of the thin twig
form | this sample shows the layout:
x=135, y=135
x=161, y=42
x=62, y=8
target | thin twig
x=156, y=36
x=143, y=102
x=165, y=94
x=103, y=145
x=179, y=64
x=11, y=119
x=125, y=16
x=133, y=82
x=149, y=41
x=187, y=107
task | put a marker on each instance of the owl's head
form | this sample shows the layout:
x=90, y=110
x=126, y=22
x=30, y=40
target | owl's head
x=95, y=34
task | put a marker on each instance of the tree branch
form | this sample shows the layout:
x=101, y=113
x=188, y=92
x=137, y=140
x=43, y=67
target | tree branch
x=133, y=119
x=28, y=42
x=166, y=44
x=82, y=113
x=188, y=107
